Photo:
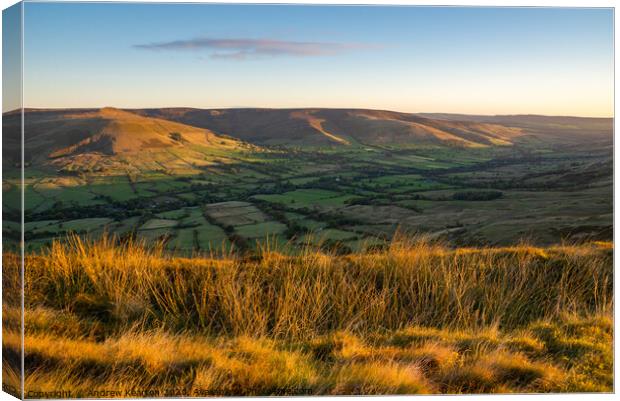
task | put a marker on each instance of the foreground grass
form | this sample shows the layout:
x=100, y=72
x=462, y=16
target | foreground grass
x=124, y=320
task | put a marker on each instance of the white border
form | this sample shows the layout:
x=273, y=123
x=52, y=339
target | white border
x=463, y=3
x=475, y=3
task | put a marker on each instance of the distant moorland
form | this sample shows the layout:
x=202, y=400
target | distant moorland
x=205, y=179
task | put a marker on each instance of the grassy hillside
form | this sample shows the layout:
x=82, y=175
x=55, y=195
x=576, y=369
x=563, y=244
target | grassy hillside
x=567, y=127
x=113, y=141
x=338, y=127
x=414, y=318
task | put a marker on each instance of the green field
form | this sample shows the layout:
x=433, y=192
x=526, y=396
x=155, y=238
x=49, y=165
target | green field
x=260, y=230
x=342, y=198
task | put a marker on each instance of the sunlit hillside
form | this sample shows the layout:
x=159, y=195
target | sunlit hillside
x=110, y=141
x=340, y=127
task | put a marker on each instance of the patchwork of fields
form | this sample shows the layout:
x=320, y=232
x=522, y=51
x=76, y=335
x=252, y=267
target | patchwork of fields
x=178, y=179
x=348, y=200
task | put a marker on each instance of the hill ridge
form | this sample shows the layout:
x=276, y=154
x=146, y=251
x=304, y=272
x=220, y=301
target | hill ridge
x=73, y=136
x=337, y=127
x=112, y=139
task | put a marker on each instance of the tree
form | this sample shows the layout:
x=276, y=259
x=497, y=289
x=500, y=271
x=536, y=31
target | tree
x=175, y=136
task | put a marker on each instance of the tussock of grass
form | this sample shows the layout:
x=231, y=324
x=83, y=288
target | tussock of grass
x=518, y=371
x=431, y=356
x=257, y=368
x=342, y=346
x=475, y=379
x=415, y=318
x=379, y=378
x=501, y=371
x=583, y=345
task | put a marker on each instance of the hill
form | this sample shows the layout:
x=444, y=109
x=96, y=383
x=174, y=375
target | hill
x=111, y=140
x=562, y=128
x=339, y=127
x=83, y=136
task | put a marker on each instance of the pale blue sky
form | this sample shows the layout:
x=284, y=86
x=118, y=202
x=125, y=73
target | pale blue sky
x=465, y=60
x=11, y=59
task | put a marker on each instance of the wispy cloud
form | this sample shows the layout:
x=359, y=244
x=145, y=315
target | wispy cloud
x=241, y=49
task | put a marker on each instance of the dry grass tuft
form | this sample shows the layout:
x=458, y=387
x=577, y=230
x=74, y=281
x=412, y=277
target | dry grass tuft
x=518, y=371
x=256, y=367
x=380, y=378
x=475, y=379
x=431, y=356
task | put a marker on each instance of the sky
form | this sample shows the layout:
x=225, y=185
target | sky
x=11, y=60
x=553, y=61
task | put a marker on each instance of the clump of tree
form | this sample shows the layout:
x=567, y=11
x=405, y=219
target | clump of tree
x=477, y=195
x=295, y=230
x=176, y=136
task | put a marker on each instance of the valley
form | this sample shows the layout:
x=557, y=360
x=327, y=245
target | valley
x=220, y=181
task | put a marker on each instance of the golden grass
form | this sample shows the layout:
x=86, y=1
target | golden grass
x=416, y=318
x=379, y=378
x=312, y=294
x=200, y=366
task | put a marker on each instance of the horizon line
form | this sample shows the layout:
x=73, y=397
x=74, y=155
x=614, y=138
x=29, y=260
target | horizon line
x=26, y=109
